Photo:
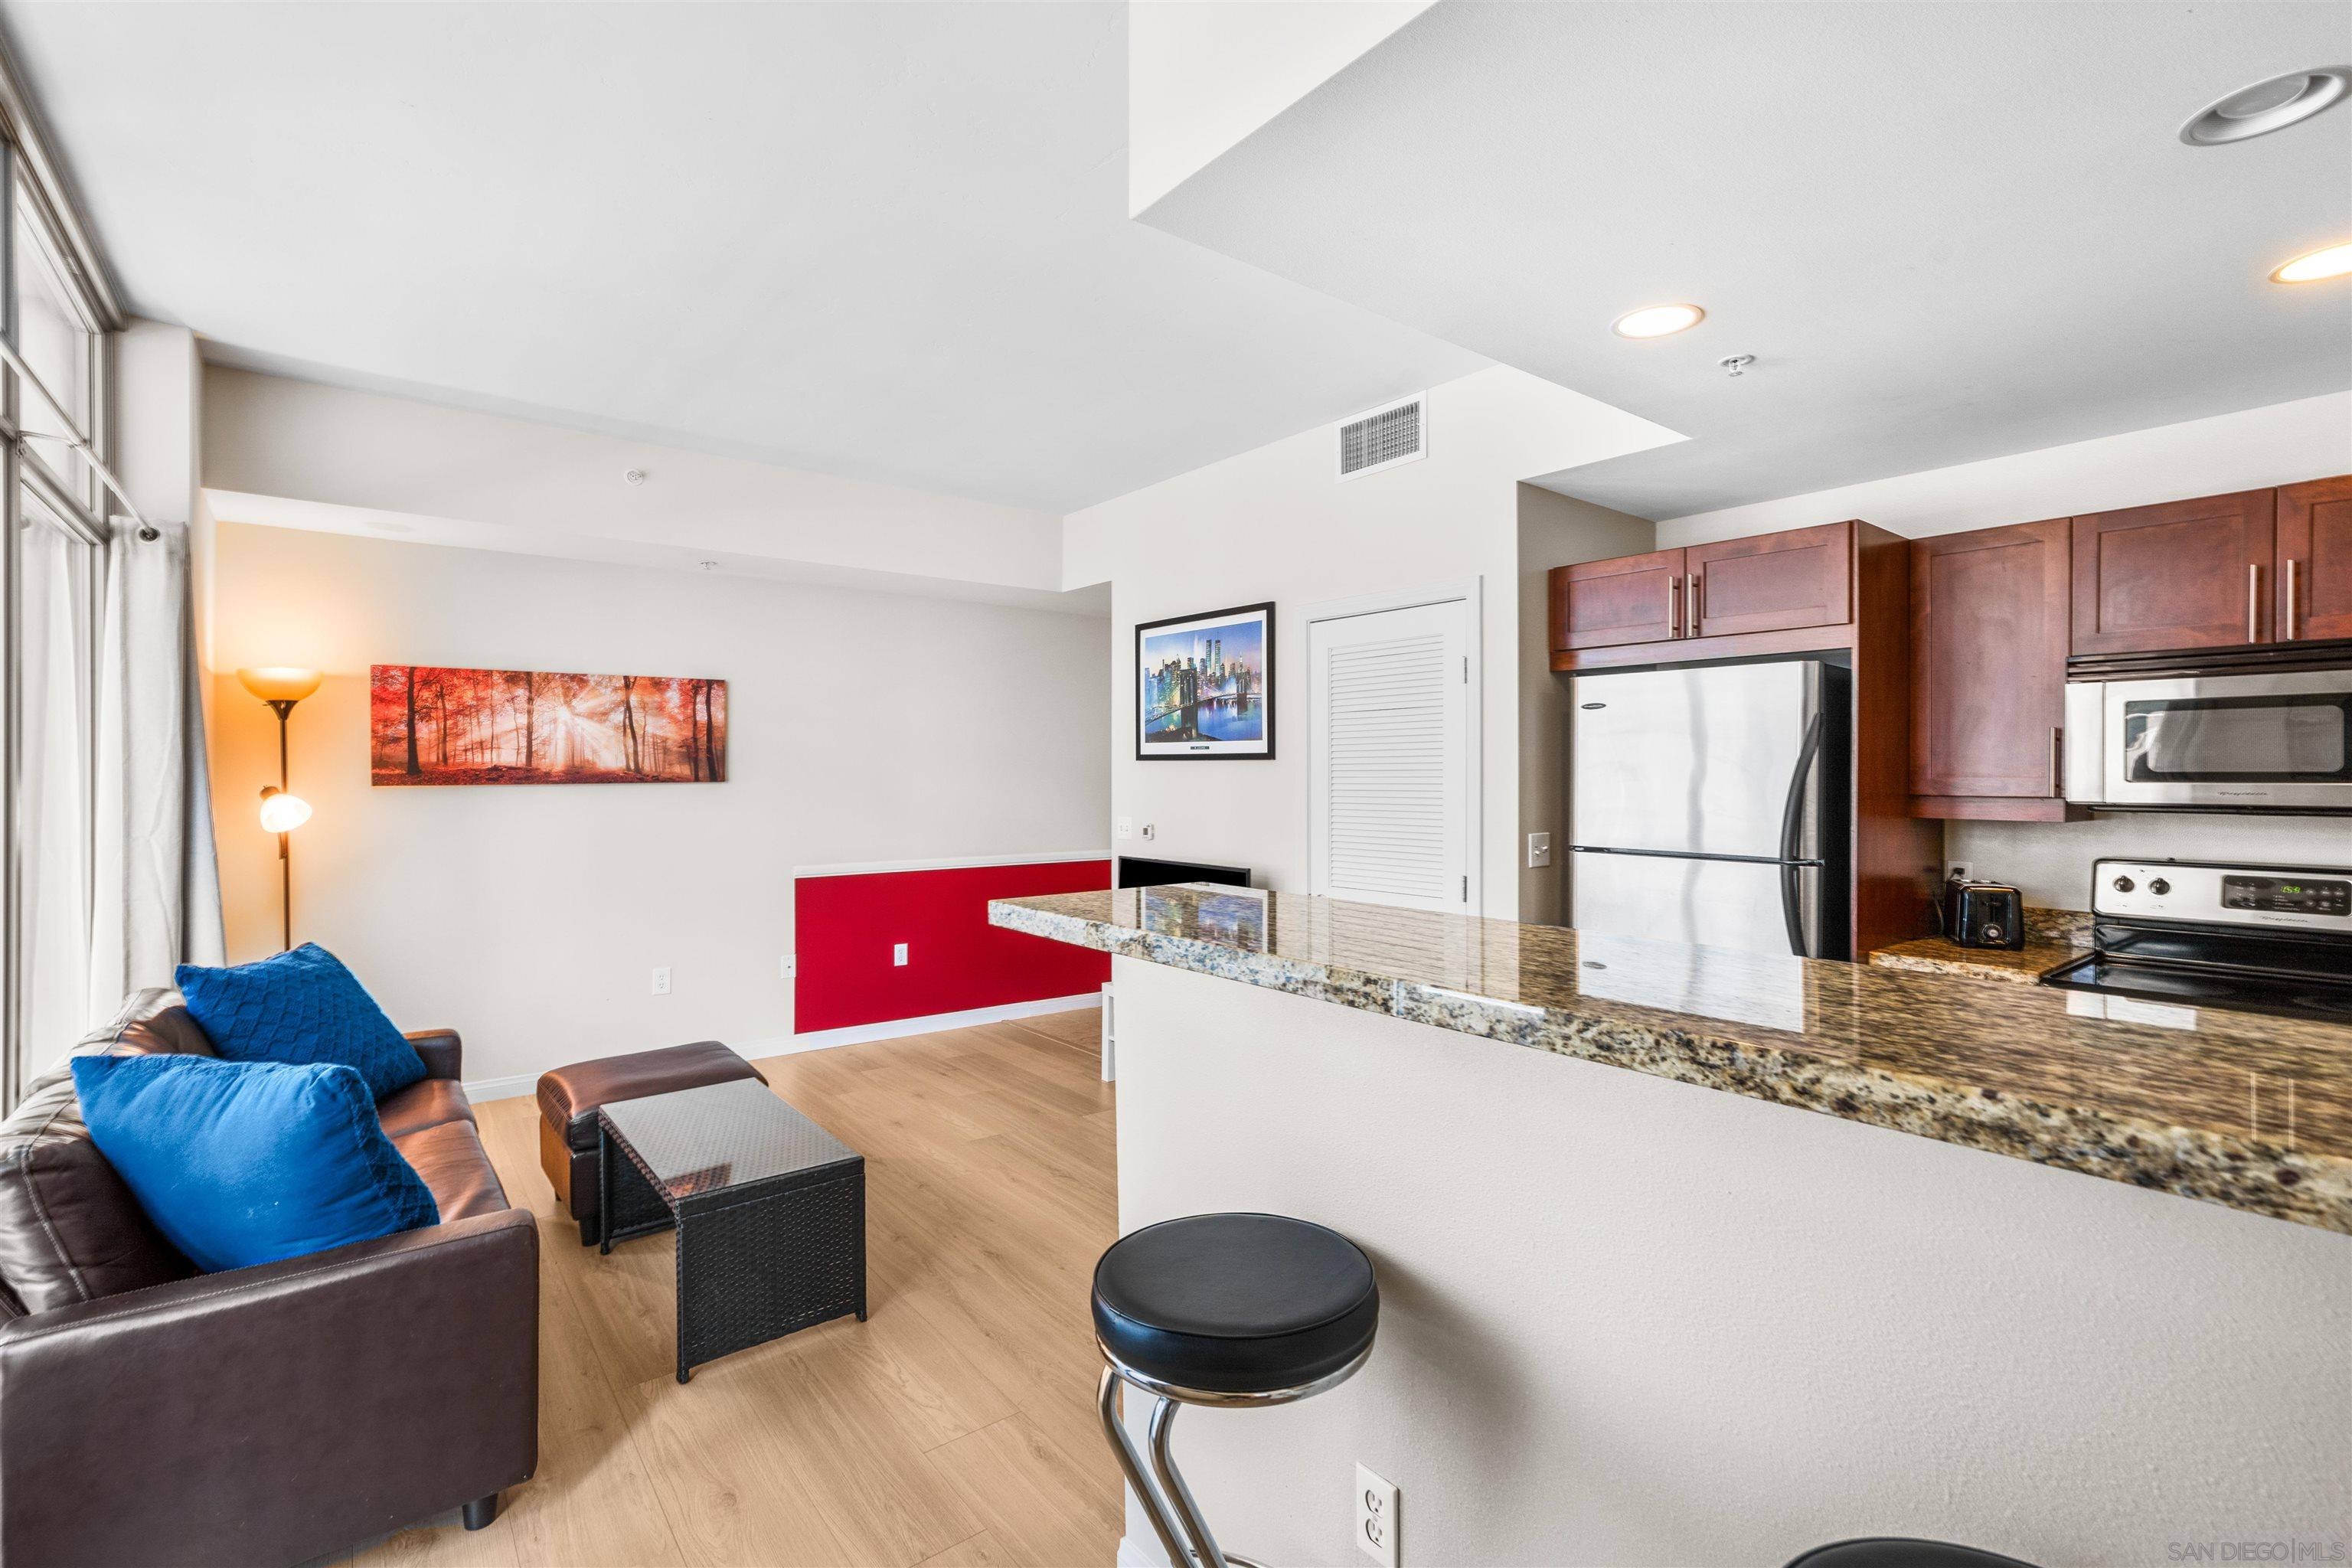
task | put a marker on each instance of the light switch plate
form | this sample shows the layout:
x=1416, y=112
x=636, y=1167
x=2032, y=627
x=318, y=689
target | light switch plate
x=788, y=966
x=898, y=953
x=1538, y=849
x=661, y=982
x=1127, y=828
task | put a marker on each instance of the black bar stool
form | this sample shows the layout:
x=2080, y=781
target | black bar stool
x=1895, y=1551
x=1225, y=1309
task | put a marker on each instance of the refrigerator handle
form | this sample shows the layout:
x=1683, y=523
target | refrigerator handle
x=1792, y=886
x=1792, y=837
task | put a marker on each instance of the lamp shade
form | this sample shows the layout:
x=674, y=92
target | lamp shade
x=283, y=812
x=281, y=682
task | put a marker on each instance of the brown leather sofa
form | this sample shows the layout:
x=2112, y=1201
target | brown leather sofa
x=150, y=1413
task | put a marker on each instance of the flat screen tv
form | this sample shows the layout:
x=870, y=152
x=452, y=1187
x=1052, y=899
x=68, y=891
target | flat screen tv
x=1134, y=871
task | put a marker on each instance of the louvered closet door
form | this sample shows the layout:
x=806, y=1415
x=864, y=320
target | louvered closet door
x=1389, y=769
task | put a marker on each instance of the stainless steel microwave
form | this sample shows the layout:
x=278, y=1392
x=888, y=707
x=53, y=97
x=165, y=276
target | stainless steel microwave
x=2252, y=741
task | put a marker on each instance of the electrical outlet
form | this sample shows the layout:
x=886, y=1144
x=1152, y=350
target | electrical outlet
x=1538, y=849
x=1127, y=828
x=1957, y=871
x=661, y=982
x=898, y=953
x=788, y=966
x=1376, y=1517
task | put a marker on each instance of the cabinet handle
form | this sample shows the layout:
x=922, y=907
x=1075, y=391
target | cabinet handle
x=1673, y=604
x=2057, y=761
x=1694, y=610
x=2253, y=601
x=2286, y=632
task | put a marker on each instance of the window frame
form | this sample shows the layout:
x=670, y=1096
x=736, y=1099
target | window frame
x=30, y=181
x=76, y=482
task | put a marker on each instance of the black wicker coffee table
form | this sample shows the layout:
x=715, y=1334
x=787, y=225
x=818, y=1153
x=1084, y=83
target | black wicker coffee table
x=769, y=1210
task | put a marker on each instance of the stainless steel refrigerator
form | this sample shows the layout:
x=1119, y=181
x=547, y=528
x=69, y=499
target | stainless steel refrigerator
x=1710, y=805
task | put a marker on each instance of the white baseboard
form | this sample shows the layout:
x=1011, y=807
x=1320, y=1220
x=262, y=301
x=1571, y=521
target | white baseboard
x=931, y=1023
x=480, y=1088
x=508, y=1088
x=1133, y=1553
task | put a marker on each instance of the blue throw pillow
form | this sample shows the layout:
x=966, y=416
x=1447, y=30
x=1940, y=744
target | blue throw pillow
x=245, y=1162
x=300, y=1006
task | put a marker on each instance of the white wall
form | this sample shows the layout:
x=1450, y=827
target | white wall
x=159, y=446
x=1273, y=524
x=1554, y=531
x=2051, y=862
x=1629, y=1322
x=159, y=417
x=2247, y=450
x=862, y=727
x=412, y=468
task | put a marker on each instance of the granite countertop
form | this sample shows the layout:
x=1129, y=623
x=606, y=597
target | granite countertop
x=1942, y=955
x=2053, y=938
x=2248, y=1111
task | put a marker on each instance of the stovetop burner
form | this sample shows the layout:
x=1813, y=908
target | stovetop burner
x=2253, y=939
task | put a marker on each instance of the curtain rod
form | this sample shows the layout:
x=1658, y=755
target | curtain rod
x=73, y=438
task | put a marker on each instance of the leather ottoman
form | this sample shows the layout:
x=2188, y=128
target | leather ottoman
x=569, y=1096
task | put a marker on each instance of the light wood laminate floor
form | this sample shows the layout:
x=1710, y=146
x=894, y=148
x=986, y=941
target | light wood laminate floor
x=955, y=1426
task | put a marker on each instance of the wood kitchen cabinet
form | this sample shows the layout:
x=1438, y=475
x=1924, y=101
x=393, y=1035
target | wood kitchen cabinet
x=1775, y=593
x=2314, y=559
x=2186, y=574
x=1771, y=583
x=1609, y=604
x=1988, y=637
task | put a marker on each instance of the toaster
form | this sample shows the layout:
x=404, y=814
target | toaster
x=1984, y=914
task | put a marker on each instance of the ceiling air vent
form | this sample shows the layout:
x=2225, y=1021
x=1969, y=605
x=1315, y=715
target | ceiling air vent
x=1382, y=437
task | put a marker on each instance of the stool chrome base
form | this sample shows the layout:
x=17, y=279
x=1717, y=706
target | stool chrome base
x=1175, y=1517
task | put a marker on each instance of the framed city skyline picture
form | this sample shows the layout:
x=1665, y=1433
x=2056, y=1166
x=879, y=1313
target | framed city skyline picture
x=429, y=724
x=1204, y=685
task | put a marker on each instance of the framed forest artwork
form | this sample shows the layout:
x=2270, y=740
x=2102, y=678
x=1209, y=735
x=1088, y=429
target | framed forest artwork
x=432, y=725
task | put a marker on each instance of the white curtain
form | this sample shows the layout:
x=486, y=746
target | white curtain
x=157, y=883
x=56, y=606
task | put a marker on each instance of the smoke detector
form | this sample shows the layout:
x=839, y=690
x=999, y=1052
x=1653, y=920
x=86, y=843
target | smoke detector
x=633, y=477
x=1384, y=436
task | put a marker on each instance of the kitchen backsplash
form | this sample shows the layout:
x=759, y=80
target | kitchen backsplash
x=2050, y=862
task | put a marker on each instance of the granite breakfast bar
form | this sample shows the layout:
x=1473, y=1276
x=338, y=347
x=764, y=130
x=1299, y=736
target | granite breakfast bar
x=1731, y=1255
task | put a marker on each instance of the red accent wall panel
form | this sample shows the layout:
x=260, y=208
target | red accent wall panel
x=847, y=925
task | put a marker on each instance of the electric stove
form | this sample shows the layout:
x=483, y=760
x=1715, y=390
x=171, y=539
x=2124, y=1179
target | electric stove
x=2252, y=938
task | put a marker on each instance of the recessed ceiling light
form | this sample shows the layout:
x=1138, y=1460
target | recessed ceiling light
x=2271, y=104
x=1657, y=321
x=2333, y=262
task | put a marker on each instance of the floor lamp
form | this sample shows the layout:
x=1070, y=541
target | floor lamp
x=282, y=811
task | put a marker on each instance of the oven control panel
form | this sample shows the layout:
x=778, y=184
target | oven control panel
x=2288, y=895
x=2306, y=898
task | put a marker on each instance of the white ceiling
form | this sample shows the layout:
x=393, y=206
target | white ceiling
x=1948, y=231
x=882, y=241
